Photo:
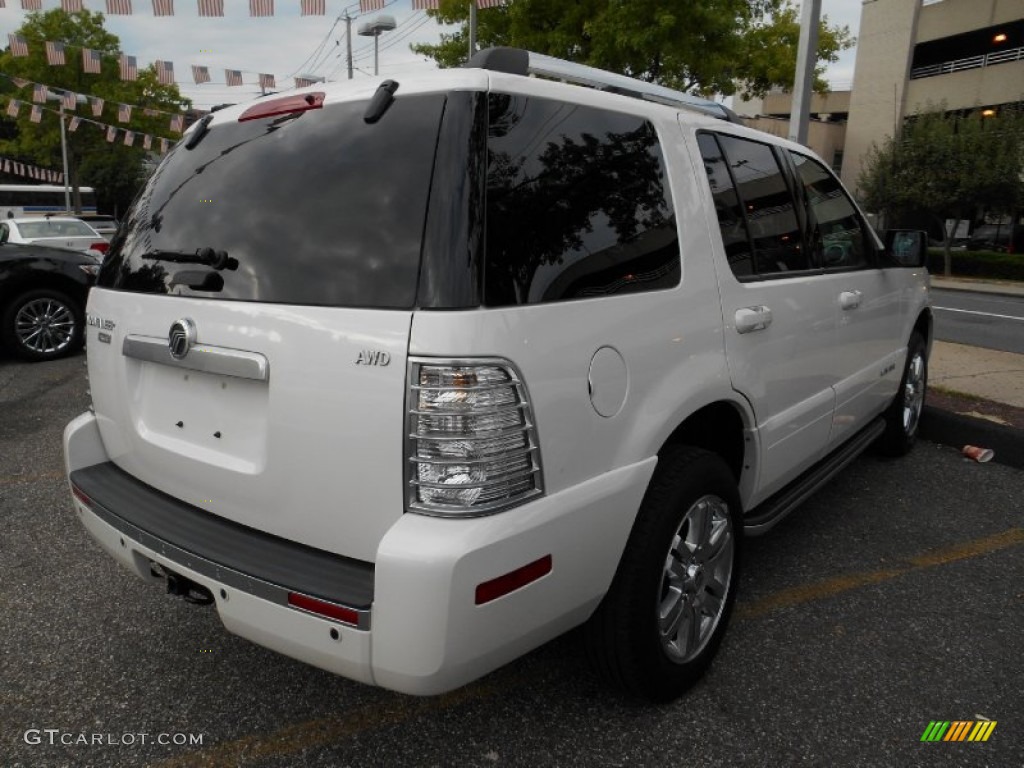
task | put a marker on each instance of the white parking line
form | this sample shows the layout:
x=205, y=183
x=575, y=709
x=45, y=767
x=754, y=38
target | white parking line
x=985, y=314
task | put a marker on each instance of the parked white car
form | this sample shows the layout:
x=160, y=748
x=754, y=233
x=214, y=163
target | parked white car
x=54, y=231
x=407, y=378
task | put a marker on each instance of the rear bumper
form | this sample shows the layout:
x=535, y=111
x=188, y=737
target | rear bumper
x=420, y=629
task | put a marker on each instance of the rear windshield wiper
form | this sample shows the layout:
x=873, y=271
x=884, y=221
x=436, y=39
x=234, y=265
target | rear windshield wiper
x=205, y=256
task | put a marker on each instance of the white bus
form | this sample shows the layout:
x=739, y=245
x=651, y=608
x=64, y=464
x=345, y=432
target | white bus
x=38, y=199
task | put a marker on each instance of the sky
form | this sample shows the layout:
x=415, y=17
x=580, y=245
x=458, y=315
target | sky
x=287, y=44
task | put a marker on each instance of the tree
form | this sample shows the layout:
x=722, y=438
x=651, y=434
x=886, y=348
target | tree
x=700, y=46
x=947, y=165
x=114, y=169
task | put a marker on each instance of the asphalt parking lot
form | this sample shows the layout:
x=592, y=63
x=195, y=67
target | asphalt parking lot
x=895, y=597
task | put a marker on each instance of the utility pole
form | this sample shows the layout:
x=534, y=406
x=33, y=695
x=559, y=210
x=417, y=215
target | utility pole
x=64, y=152
x=348, y=43
x=472, y=28
x=806, y=58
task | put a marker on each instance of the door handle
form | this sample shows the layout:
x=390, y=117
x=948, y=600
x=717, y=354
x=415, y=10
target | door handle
x=749, y=319
x=850, y=299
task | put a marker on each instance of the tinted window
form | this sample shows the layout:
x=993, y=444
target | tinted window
x=731, y=220
x=577, y=204
x=836, y=236
x=315, y=208
x=768, y=204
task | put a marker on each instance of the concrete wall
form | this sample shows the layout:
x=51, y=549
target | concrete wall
x=971, y=88
x=885, y=46
x=951, y=17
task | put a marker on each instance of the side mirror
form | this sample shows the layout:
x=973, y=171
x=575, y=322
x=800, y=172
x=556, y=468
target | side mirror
x=906, y=247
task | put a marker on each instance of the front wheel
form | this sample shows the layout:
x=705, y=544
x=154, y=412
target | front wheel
x=661, y=623
x=903, y=417
x=42, y=324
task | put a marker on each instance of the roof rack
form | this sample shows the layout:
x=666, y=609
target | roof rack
x=516, y=61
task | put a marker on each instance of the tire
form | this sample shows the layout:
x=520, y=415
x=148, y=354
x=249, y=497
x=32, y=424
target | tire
x=661, y=623
x=43, y=324
x=903, y=417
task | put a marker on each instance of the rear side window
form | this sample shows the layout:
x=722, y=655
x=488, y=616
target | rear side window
x=731, y=220
x=767, y=204
x=316, y=208
x=577, y=204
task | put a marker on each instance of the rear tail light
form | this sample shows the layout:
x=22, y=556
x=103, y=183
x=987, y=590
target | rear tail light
x=102, y=246
x=472, y=444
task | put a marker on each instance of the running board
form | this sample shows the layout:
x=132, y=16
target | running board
x=770, y=512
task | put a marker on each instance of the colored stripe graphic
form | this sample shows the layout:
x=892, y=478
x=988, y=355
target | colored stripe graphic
x=958, y=730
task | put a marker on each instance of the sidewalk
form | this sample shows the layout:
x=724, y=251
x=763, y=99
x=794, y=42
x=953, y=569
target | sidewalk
x=999, y=287
x=987, y=373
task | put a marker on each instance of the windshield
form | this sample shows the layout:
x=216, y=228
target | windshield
x=34, y=229
x=318, y=208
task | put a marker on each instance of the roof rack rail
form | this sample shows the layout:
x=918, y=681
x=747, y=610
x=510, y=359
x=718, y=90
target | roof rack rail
x=517, y=61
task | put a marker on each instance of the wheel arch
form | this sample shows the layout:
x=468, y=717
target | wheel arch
x=722, y=428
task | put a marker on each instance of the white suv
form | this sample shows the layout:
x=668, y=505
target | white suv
x=408, y=378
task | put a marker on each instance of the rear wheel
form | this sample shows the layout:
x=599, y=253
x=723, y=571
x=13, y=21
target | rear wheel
x=42, y=324
x=903, y=417
x=661, y=623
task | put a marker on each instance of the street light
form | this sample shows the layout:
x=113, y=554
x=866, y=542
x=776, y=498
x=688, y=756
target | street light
x=373, y=29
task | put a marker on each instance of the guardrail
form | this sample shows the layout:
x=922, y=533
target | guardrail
x=972, y=62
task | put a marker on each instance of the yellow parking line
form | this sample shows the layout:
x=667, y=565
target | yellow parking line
x=820, y=590
x=394, y=710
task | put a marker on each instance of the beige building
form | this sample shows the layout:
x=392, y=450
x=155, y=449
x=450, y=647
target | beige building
x=913, y=55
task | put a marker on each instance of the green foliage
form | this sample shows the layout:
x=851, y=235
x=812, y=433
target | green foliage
x=114, y=169
x=948, y=166
x=989, y=265
x=701, y=46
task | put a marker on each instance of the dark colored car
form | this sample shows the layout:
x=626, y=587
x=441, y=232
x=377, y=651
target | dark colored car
x=1004, y=238
x=42, y=299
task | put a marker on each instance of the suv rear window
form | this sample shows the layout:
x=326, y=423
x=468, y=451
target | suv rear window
x=578, y=204
x=318, y=208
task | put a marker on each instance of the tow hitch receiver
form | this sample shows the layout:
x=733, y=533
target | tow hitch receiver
x=179, y=586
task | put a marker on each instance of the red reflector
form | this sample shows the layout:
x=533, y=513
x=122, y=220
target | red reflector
x=79, y=494
x=510, y=582
x=101, y=246
x=283, y=106
x=330, y=610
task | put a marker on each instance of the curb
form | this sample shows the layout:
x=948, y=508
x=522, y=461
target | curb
x=956, y=430
x=987, y=289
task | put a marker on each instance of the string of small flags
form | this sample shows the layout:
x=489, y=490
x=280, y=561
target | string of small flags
x=214, y=8
x=17, y=168
x=128, y=68
x=41, y=94
x=112, y=131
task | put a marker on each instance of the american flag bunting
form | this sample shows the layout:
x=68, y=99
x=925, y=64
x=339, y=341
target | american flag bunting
x=119, y=7
x=163, y=8
x=129, y=139
x=314, y=7
x=18, y=45
x=200, y=74
x=74, y=123
x=423, y=5
x=211, y=7
x=303, y=82
x=40, y=93
x=111, y=133
x=20, y=82
x=147, y=141
x=31, y=5
x=163, y=146
x=71, y=6
x=177, y=123
x=70, y=99
x=91, y=61
x=267, y=81
x=165, y=72
x=233, y=77
x=129, y=70
x=37, y=113
x=13, y=108
x=97, y=105
x=371, y=5
x=55, y=54
x=489, y=3
x=124, y=113
x=261, y=7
